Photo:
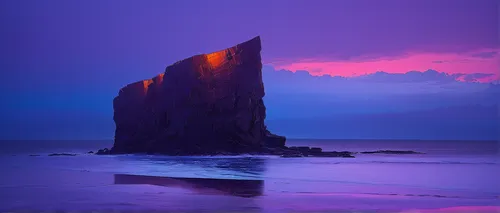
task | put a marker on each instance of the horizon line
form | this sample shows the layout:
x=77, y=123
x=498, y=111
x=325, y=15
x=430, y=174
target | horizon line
x=332, y=139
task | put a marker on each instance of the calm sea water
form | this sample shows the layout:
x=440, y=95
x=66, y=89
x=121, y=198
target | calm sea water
x=452, y=176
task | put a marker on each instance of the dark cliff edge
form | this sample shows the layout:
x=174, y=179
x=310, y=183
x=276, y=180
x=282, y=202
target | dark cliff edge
x=208, y=104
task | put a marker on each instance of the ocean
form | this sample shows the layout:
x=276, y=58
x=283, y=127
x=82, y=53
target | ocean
x=451, y=176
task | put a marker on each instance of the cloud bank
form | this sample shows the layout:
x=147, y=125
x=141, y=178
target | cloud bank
x=413, y=105
x=485, y=61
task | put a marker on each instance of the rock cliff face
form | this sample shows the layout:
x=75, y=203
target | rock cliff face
x=205, y=104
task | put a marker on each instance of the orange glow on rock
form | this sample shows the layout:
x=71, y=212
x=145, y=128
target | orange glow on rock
x=216, y=59
x=160, y=78
x=146, y=84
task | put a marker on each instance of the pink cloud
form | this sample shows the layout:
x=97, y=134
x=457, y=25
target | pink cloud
x=481, y=61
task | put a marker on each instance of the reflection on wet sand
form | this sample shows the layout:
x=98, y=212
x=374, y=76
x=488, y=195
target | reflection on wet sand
x=246, y=166
x=241, y=188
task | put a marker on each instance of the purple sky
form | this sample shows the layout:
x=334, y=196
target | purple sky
x=98, y=40
x=66, y=56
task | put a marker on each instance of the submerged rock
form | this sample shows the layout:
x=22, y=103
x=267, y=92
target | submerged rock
x=390, y=152
x=332, y=154
x=62, y=154
x=104, y=151
x=292, y=155
x=306, y=151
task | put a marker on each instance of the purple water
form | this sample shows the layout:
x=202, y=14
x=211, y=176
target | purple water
x=453, y=176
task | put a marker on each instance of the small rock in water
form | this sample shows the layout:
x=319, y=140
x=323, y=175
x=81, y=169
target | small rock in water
x=62, y=154
x=104, y=151
x=391, y=152
x=332, y=154
x=292, y=155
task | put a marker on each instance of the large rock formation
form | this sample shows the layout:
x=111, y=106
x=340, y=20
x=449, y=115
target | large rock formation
x=206, y=104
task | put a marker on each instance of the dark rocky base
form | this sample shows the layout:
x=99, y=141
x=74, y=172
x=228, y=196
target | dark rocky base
x=305, y=151
x=286, y=152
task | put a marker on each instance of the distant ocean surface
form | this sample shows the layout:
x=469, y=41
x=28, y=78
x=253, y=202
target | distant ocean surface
x=452, y=176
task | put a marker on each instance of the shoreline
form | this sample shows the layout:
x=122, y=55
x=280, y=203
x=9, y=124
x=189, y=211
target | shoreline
x=317, y=185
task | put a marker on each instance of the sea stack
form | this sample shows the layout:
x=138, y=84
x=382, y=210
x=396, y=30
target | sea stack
x=206, y=104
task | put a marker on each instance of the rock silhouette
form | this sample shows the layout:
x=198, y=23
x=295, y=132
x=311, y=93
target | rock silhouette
x=206, y=104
